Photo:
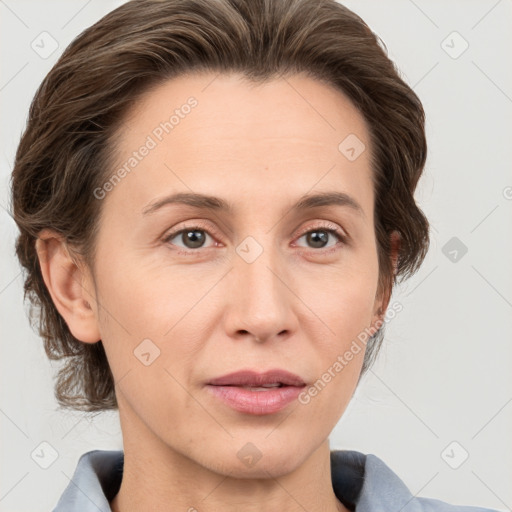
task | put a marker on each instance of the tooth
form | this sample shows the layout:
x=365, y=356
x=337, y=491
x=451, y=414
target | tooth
x=263, y=387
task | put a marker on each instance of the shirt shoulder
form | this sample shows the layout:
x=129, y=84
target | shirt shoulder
x=95, y=482
x=364, y=483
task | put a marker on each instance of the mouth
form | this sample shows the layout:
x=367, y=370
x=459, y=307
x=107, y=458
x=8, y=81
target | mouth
x=254, y=379
x=257, y=393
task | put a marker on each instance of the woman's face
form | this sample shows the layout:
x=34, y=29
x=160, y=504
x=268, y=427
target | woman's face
x=263, y=285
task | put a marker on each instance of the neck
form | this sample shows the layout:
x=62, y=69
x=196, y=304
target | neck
x=158, y=478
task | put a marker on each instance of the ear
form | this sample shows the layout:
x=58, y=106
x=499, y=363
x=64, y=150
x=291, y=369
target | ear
x=395, y=249
x=70, y=286
x=382, y=302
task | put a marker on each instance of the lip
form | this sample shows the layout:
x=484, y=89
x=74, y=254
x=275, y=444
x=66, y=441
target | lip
x=230, y=389
x=254, y=378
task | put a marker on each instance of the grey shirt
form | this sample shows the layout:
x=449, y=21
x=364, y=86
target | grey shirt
x=363, y=483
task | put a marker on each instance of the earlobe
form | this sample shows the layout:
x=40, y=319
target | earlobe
x=69, y=286
x=377, y=322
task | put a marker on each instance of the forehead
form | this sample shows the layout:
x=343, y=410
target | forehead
x=207, y=132
x=231, y=106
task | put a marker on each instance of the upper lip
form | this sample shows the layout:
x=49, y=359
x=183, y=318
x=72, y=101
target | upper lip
x=254, y=378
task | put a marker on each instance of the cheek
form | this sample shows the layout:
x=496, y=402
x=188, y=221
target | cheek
x=343, y=295
x=140, y=314
x=346, y=316
x=344, y=301
x=141, y=298
x=141, y=301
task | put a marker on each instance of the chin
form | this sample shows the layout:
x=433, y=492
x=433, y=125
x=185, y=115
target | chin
x=250, y=462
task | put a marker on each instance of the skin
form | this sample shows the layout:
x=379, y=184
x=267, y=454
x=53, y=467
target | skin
x=261, y=147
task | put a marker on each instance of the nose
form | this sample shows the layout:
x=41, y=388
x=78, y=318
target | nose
x=261, y=300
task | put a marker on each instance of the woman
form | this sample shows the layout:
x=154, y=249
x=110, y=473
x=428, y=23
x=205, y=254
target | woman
x=215, y=200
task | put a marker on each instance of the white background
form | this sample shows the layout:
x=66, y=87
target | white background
x=444, y=372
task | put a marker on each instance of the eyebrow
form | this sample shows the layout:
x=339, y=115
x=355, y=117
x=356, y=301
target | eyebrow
x=207, y=202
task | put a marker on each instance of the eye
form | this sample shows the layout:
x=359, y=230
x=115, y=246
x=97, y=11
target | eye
x=318, y=237
x=193, y=237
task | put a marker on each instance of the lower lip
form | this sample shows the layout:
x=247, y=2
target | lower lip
x=256, y=402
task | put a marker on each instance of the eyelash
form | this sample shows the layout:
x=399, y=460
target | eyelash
x=329, y=228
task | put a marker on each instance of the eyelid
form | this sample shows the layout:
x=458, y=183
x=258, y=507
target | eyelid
x=325, y=224
x=189, y=226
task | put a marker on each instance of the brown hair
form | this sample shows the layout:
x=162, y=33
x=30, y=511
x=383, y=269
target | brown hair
x=65, y=151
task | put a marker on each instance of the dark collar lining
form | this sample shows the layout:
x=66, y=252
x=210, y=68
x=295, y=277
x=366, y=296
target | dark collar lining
x=347, y=473
x=112, y=483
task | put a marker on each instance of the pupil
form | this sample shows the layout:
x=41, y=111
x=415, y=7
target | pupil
x=194, y=237
x=316, y=237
